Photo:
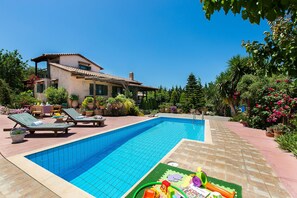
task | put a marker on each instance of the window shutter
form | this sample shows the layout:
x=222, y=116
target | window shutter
x=104, y=90
x=91, y=89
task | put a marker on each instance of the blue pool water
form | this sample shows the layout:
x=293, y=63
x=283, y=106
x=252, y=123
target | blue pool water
x=109, y=164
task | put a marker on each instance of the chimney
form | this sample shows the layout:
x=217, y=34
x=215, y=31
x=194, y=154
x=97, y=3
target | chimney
x=131, y=76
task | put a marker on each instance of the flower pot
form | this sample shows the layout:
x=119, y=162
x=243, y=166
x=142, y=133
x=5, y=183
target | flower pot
x=74, y=103
x=89, y=113
x=17, y=138
x=97, y=112
x=17, y=134
x=90, y=105
x=278, y=133
x=269, y=129
x=269, y=134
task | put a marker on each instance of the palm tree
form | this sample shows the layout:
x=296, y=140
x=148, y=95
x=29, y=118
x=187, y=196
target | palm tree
x=227, y=81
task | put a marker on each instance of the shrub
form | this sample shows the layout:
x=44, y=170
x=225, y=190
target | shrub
x=121, y=105
x=239, y=117
x=73, y=97
x=86, y=101
x=56, y=96
x=24, y=98
x=5, y=97
x=100, y=101
x=288, y=142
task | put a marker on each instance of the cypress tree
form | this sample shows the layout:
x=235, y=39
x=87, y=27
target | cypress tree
x=194, y=93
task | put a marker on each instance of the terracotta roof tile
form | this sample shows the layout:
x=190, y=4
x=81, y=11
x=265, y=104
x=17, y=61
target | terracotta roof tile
x=92, y=73
x=44, y=57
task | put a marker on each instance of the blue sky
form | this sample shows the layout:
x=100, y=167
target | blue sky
x=161, y=41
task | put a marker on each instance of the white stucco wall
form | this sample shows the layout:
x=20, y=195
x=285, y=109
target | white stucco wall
x=41, y=96
x=76, y=86
x=73, y=61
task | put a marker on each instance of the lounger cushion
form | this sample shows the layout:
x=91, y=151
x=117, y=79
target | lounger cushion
x=26, y=120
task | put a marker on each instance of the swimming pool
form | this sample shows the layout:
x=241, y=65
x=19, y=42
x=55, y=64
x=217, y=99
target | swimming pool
x=107, y=165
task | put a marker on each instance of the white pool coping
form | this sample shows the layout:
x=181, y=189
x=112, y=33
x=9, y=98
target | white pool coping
x=62, y=187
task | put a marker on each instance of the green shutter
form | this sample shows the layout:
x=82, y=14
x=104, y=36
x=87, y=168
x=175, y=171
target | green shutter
x=114, y=91
x=40, y=88
x=91, y=90
x=104, y=90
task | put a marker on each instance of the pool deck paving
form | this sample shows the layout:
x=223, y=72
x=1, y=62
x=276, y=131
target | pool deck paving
x=238, y=154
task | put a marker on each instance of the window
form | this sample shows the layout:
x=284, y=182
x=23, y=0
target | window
x=116, y=91
x=54, y=83
x=40, y=88
x=101, y=90
x=84, y=67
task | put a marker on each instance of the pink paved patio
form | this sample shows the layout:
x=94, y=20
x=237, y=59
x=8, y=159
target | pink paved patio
x=283, y=164
x=43, y=139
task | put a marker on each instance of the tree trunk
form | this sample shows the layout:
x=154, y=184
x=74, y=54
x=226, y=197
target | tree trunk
x=233, y=111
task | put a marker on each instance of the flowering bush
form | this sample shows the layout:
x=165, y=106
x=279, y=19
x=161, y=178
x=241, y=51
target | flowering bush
x=173, y=109
x=274, y=104
x=6, y=110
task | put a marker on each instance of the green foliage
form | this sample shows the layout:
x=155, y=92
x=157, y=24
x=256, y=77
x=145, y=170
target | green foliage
x=278, y=55
x=12, y=69
x=100, y=101
x=193, y=93
x=185, y=105
x=17, y=131
x=5, y=93
x=128, y=93
x=24, y=98
x=239, y=117
x=56, y=96
x=87, y=100
x=252, y=10
x=73, y=97
x=174, y=97
x=121, y=105
x=227, y=81
x=271, y=101
x=288, y=142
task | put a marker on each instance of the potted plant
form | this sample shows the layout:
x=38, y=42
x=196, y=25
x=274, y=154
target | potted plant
x=89, y=112
x=74, y=100
x=278, y=129
x=100, y=102
x=17, y=135
x=88, y=102
x=269, y=132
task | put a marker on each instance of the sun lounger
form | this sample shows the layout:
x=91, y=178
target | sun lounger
x=75, y=117
x=32, y=124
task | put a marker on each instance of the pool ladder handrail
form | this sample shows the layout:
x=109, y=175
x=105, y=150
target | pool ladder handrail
x=194, y=118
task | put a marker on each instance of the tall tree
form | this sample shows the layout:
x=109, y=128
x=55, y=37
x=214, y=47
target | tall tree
x=174, y=97
x=12, y=69
x=278, y=55
x=5, y=97
x=227, y=81
x=194, y=92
